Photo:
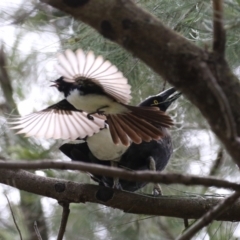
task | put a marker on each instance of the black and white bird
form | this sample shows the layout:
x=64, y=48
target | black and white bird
x=98, y=92
x=153, y=155
x=98, y=87
x=101, y=143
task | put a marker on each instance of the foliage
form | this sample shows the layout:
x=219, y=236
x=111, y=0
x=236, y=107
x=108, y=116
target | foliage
x=32, y=34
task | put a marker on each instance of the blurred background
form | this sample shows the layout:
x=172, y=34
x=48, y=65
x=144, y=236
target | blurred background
x=30, y=35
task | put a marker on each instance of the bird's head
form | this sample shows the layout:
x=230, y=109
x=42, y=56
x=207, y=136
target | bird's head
x=63, y=86
x=162, y=100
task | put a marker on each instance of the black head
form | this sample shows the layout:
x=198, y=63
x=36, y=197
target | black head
x=63, y=86
x=161, y=100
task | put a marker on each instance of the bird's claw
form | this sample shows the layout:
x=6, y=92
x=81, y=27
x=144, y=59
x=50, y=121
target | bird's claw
x=157, y=191
x=90, y=117
x=116, y=184
x=100, y=112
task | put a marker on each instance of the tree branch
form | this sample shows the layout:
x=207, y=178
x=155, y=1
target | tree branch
x=64, y=219
x=217, y=164
x=141, y=176
x=231, y=129
x=209, y=216
x=39, y=237
x=190, y=207
x=14, y=220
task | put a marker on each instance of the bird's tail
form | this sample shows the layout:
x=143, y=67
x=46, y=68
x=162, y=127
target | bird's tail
x=139, y=124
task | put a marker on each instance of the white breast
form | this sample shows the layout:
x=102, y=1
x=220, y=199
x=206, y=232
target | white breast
x=91, y=102
x=103, y=148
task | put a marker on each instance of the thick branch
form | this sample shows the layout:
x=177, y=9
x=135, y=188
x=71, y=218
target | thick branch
x=67, y=191
x=142, y=176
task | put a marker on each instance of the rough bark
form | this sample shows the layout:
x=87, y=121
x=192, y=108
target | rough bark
x=67, y=191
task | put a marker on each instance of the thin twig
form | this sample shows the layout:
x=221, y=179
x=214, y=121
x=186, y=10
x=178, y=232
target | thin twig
x=215, y=167
x=164, y=85
x=217, y=163
x=186, y=223
x=142, y=176
x=14, y=220
x=209, y=216
x=64, y=220
x=37, y=231
x=219, y=35
x=224, y=105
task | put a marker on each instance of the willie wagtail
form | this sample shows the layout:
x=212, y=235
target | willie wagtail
x=99, y=87
x=97, y=91
x=153, y=155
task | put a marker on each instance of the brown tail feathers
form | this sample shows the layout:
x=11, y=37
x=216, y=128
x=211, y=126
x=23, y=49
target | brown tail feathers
x=139, y=124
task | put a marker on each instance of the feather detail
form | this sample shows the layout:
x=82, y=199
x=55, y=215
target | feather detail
x=129, y=129
x=56, y=122
x=143, y=134
x=152, y=115
x=139, y=124
x=112, y=130
x=120, y=131
x=136, y=129
x=86, y=67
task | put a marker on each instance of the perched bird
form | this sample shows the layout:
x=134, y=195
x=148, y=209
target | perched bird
x=153, y=155
x=99, y=87
x=95, y=91
x=100, y=144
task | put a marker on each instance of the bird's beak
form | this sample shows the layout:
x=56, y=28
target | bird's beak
x=54, y=84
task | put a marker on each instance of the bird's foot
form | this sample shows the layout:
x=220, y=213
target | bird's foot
x=116, y=184
x=100, y=111
x=90, y=117
x=157, y=191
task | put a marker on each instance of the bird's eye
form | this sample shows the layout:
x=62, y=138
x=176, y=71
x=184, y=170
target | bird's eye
x=155, y=102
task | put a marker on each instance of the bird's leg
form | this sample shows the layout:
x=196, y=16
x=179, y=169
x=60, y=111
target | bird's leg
x=116, y=184
x=98, y=111
x=156, y=187
x=90, y=117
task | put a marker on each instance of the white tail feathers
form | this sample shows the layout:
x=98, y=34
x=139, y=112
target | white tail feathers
x=73, y=66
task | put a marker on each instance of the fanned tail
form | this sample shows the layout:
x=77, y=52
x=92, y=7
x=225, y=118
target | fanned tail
x=152, y=115
x=139, y=124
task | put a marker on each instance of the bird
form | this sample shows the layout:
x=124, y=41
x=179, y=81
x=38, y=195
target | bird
x=101, y=144
x=153, y=155
x=98, y=87
x=98, y=93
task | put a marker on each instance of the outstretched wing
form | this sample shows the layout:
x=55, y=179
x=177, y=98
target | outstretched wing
x=59, y=121
x=80, y=66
